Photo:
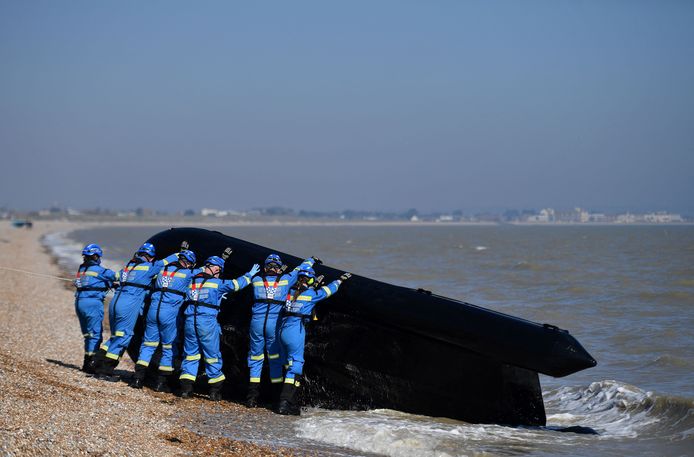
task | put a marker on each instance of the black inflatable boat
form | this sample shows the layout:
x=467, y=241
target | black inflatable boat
x=379, y=345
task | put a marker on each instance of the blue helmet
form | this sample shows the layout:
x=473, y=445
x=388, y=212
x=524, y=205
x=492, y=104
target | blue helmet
x=214, y=260
x=147, y=248
x=188, y=255
x=273, y=258
x=92, y=249
x=308, y=272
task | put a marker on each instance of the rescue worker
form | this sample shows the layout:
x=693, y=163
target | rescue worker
x=135, y=283
x=170, y=290
x=201, y=330
x=92, y=282
x=298, y=309
x=269, y=290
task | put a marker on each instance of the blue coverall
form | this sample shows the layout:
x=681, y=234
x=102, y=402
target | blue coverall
x=292, y=333
x=93, y=282
x=135, y=280
x=270, y=293
x=169, y=292
x=201, y=330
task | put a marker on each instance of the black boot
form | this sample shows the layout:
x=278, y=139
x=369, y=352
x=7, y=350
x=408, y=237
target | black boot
x=162, y=384
x=186, y=388
x=276, y=391
x=88, y=364
x=139, y=379
x=216, y=391
x=253, y=395
x=289, y=403
x=105, y=370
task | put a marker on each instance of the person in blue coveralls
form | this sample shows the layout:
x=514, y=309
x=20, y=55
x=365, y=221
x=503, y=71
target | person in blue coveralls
x=269, y=290
x=201, y=330
x=297, y=312
x=135, y=283
x=93, y=283
x=170, y=289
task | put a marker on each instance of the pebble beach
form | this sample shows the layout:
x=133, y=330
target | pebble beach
x=49, y=407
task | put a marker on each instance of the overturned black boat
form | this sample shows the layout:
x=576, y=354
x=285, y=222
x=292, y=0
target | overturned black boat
x=376, y=345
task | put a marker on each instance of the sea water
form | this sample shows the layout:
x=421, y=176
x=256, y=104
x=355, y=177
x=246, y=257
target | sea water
x=625, y=292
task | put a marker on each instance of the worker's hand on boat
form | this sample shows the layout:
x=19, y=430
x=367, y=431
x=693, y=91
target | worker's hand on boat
x=345, y=276
x=254, y=270
x=316, y=260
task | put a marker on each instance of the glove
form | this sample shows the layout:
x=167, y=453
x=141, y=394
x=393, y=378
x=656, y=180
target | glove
x=184, y=245
x=316, y=260
x=254, y=270
x=116, y=284
x=77, y=283
x=345, y=276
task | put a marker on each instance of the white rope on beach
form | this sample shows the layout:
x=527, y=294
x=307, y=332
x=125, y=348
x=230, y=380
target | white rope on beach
x=35, y=274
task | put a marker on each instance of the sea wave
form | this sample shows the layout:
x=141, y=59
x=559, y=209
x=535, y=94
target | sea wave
x=617, y=409
x=68, y=252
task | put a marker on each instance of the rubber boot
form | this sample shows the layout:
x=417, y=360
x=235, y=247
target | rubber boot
x=98, y=359
x=162, y=384
x=216, y=391
x=289, y=404
x=186, y=388
x=252, y=395
x=88, y=365
x=138, y=380
x=276, y=391
x=105, y=370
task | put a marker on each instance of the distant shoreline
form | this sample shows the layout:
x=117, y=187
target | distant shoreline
x=79, y=224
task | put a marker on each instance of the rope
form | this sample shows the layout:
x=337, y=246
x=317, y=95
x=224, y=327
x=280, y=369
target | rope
x=35, y=274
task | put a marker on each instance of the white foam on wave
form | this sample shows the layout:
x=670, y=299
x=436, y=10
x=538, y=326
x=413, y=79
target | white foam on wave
x=617, y=411
x=397, y=434
x=481, y=248
x=67, y=251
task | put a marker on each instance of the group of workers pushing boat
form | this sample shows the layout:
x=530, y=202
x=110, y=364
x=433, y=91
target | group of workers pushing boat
x=184, y=304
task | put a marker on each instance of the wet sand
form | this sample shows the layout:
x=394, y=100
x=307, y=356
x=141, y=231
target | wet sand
x=49, y=407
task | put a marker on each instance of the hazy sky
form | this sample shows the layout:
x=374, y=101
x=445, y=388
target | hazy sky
x=377, y=105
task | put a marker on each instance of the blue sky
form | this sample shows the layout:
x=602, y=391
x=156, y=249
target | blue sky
x=380, y=105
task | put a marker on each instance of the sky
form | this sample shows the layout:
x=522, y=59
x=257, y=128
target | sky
x=368, y=105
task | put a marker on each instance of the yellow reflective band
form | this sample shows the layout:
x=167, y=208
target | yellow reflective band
x=255, y=379
x=283, y=283
x=86, y=334
x=212, y=360
x=273, y=356
x=217, y=379
x=236, y=284
x=104, y=347
x=152, y=344
x=166, y=262
x=91, y=273
x=112, y=356
x=297, y=384
x=259, y=284
x=289, y=380
x=89, y=353
x=290, y=363
x=165, y=368
x=141, y=268
x=119, y=333
x=211, y=285
x=193, y=357
x=327, y=291
x=304, y=298
x=276, y=380
x=179, y=275
x=143, y=362
x=258, y=357
x=166, y=346
x=189, y=377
